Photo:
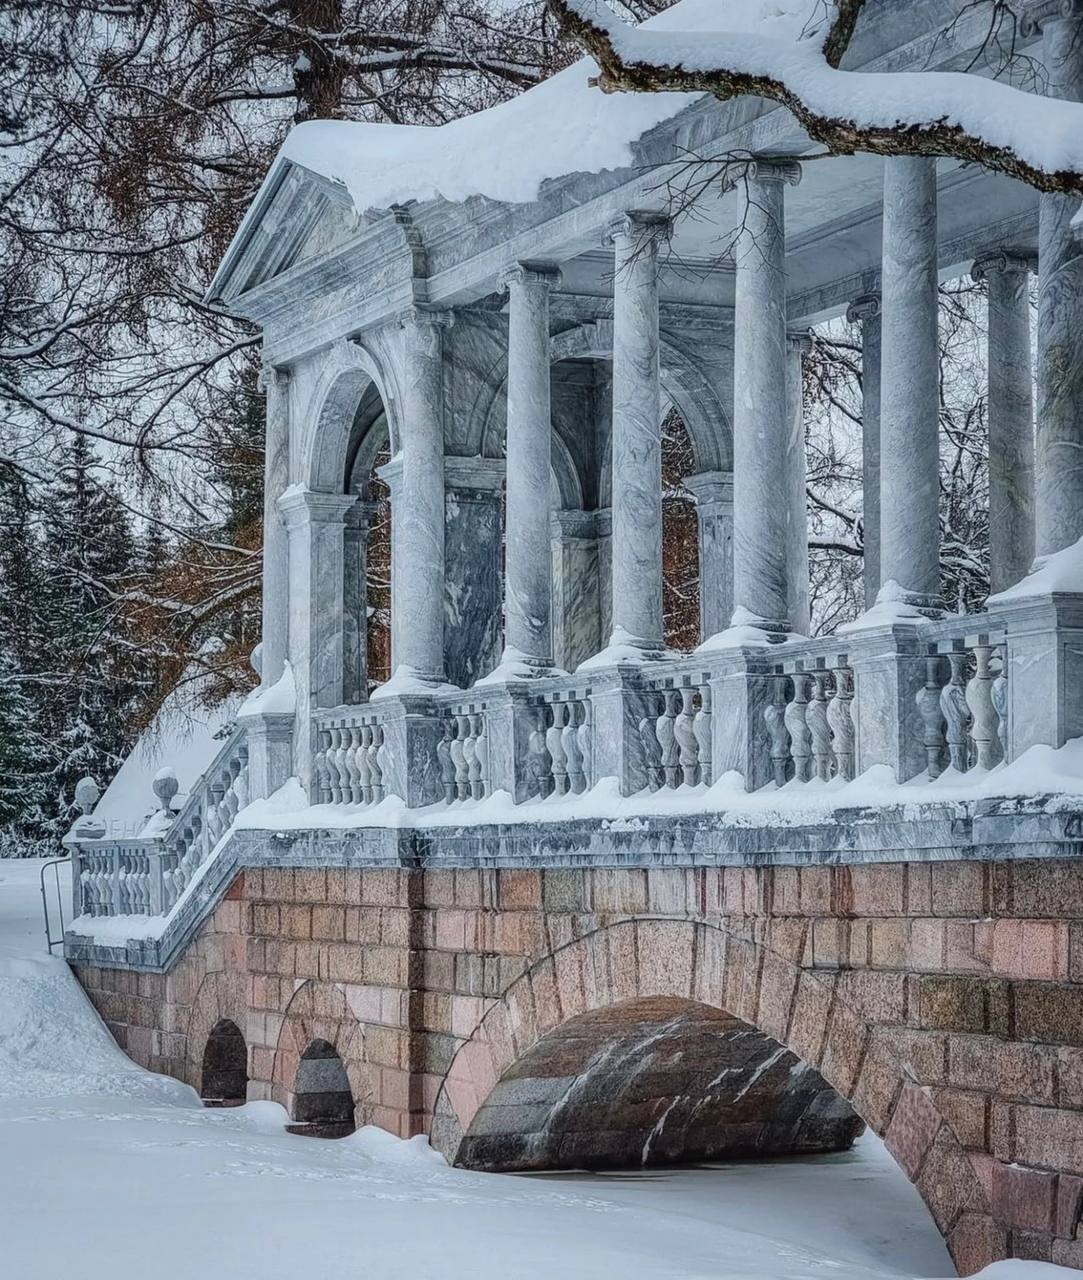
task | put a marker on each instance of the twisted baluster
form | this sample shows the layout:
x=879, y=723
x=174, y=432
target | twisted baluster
x=458, y=759
x=979, y=699
x=569, y=741
x=445, y=763
x=481, y=752
x=816, y=718
x=1000, y=701
x=665, y=727
x=774, y=715
x=796, y=719
x=932, y=718
x=840, y=718
x=687, y=746
x=374, y=758
x=585, y=743
x=701, y=727
x=554, y=740
x=954, y=708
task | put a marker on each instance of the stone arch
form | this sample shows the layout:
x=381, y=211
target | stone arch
x=805, y=1012
x=320, y=1011
x=322, y=1099
x=348, y=371
x=219, y=998
x=224, y=1075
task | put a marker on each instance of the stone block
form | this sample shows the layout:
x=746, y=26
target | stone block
x=1048, y=1012
x=965, y=1112
x=519, y=890
x=1069, y=1208
x=310, y=884
x=878, y=890
x=296, y=922
x=329, y=924
x=959, y=889
x=975, y=1242
x=1024, y=1198
x=951, y=1003
x=927, y=945
x=1049, y=1137
x=889, y=942
x=1026, y=1071
x=564, y=890
x=1031, y=948
x=914, y=1125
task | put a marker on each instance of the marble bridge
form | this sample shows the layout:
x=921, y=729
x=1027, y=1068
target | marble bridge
x=554, y=894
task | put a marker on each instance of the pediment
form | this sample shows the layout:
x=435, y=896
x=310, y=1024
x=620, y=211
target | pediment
x=297, y=217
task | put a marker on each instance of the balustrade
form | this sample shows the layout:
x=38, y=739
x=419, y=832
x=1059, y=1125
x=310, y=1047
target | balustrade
x=964, y=702
x=675, y=732
x=810, y=718
x=462, y=753
x=349, y=759
x=561, y=744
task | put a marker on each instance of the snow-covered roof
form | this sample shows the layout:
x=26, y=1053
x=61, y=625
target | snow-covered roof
x=562, y=126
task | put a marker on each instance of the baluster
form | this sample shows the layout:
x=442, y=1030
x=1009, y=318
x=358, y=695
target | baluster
x=687, y=746
x=375, y=758
x=569, y=741
x=701, y=727
x=979, y=699
x=667, y=737
x=445, y=763
x=481, y=752
x=932, y=718
x=470, y=756
x=816, y=719
x=323, y=770
x=954, y=708
x=585, y=743
x=361, y=772
x=554, y=741
x=458, y=759
x=539, y=757
x=774, y=715
x=796, y=718
x=840, y=718
x=1000, y=700
x=338, y=759
x=651, y=748
x=240, y=784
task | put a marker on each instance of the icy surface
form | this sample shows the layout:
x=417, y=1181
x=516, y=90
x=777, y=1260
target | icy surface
x=125, y=1172
x=1061, y=571
x=279, y=699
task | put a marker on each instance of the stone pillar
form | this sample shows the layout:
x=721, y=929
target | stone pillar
x=276, y=468
x=763, y=452
x=910, y=391
x=577, y=595
x=796, y=470
x=472, y=559
x=527, y=558
x=866, y=310
x=637, y=436
x=315, y=523
x=713, y=492
x=417, y=510
x=1059, y=435
x=1011, y=418
x=355, y=599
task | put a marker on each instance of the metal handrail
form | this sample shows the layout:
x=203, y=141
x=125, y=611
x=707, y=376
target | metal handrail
x=55, y=864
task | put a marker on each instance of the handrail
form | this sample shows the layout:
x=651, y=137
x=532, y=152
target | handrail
x=55, y=864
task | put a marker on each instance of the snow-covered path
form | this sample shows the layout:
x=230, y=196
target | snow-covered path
x=107, y=1170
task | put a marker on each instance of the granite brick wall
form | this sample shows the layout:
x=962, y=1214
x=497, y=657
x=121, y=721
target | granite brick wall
x=944, y=1000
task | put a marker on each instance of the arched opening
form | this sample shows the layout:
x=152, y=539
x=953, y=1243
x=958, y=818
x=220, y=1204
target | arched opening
x=680, y=538
x=322, y=1102
x=654, y=1082
x=367, y=559
x=224, y=1078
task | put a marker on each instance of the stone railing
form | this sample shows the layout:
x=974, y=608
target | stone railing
x=676, y=731
x=348, y=761
x=146, y=875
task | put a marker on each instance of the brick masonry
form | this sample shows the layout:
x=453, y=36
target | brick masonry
x=944, y=1000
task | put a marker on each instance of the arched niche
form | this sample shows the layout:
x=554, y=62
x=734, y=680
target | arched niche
x=224, y=1074
x=322, y=1100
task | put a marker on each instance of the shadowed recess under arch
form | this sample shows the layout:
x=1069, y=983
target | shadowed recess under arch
x=323, y=1104
x=224, y=1076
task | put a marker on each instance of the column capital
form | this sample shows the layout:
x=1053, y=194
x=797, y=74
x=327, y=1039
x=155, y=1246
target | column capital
x=304, y=506
x=867, y=307
x=542, y=273
x=476, y=473
x=1001, y=262
x=798, y=342
x=1048, y=11
x=773, y=169
x=271, y=377
x=644, y=224
x=416, y=317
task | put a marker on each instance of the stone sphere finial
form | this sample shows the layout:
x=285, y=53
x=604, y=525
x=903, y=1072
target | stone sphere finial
x=87, y=793
x=165, y=786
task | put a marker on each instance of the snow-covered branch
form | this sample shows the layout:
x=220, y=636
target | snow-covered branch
x=796, y=63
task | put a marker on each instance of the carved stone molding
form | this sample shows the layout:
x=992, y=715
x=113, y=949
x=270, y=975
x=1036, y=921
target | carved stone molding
x=639, y=224
x=1001, y=262
x=531, y=273
x=867, y=307
x=1048, y=11
x=770, y=169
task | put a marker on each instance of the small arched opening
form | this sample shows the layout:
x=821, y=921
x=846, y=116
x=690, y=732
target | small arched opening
x=322, y=1101
x=224, y=1078
x=656, y=1081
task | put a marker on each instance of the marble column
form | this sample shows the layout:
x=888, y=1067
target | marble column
x=713, y=492
x=1059, y=419
x=417, y=510
x=764, y=455
x=866, y=311
x=276, y=467
x=910, y=385
x=797, y=579
x=1011, y=418
x=528, y=585
x=355, y=536
x=637, y=435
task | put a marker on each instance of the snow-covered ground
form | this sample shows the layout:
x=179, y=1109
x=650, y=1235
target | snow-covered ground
x=107, y=1170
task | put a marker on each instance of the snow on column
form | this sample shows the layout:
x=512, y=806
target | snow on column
x=528, y=569
x=1011, y=418
x=417, y=583
x=276, y=466
x=910, y=386
x=797, y=346
x=637, y=434
x=866, y=310
x=763, y=454
x=1059, y=436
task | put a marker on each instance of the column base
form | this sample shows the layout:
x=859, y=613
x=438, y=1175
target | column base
x=515, y=666
x=408, y=680
x=624, y=649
